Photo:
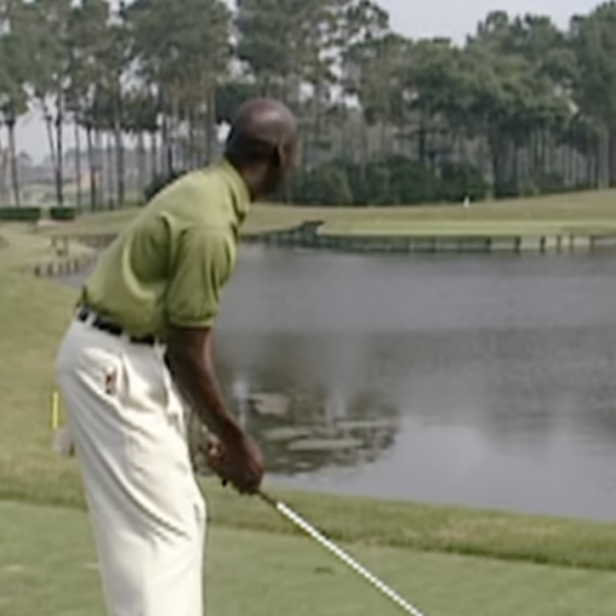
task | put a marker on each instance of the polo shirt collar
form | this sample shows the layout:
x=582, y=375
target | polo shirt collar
x=239, y=190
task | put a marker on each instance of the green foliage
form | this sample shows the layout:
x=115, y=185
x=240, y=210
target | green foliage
x=393, y=181
x=230, y=95
x=522, y=105
x=459, y=181
x=325, y=185
x=62, y=213
x=20, y=214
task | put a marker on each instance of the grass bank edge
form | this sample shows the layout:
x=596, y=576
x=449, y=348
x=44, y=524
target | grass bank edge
x=364, y=521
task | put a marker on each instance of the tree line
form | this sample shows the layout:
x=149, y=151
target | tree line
x=520, y=108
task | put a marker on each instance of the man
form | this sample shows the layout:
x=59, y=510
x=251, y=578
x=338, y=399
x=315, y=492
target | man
x=140, y=347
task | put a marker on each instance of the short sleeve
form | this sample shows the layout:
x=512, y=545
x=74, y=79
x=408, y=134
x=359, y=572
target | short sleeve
x=202, y=266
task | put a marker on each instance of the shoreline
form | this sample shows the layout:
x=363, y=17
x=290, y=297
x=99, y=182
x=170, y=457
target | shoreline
x=310, y=235
x=400, y=524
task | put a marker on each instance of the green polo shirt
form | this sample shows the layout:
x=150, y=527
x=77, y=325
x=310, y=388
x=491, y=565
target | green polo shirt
x=169, y=265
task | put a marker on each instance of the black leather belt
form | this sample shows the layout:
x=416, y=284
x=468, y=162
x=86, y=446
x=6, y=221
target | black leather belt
x=85, y=315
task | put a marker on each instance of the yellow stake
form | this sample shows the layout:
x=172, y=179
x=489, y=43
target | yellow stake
x=55, y=411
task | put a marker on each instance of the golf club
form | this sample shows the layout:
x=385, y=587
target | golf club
x=298, y=521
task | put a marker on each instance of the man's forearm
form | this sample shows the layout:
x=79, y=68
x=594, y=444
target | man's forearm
x=195, y=377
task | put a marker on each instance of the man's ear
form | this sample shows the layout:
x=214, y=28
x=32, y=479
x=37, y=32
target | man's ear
x=278, y=156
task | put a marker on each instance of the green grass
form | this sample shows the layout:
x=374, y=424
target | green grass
x=580, y=213
x=431, y=553
x=48, y=560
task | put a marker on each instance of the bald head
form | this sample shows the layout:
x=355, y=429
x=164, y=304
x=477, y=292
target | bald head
x=261, y=142
x=263, y=120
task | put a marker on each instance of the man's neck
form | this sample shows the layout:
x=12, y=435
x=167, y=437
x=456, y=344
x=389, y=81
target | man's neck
x=249, y=176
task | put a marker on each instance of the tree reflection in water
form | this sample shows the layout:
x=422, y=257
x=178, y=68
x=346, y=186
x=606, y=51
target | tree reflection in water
x=302, y=431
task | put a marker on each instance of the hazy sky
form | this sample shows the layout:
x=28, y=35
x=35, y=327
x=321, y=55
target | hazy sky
x=456, y=18
x=452, y=18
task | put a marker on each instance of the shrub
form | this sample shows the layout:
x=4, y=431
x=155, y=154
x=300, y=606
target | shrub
x=62, y=213
x=461, y=180
x=20, y=214
x=325, y=185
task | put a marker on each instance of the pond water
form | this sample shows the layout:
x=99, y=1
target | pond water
x=479, y=381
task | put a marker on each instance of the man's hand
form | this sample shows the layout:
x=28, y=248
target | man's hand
x=238, y=462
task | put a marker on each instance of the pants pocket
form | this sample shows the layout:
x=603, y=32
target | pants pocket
x=143, y=386
x=85, y=357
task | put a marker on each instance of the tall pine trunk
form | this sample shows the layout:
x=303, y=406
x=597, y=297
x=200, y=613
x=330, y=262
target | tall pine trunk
x=59, y=155
x=109, y=171
x=4, y=154
x=603, y=159
x=166, y=138
x=14, y=169
x=166, y=145
x=189, y=156
x=120, y=166
x=53, y=154
x=612, y=156
x=210, y=129
x=100, y=166
x=141, y=164
x=78, y=174
x=118, y=135
x=154, y=154
x=92, y=167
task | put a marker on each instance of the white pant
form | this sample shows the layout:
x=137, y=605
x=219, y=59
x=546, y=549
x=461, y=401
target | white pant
x=129, y=430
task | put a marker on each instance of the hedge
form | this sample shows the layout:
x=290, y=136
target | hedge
x=62, y=213
x=20, y=214
x=395, y=180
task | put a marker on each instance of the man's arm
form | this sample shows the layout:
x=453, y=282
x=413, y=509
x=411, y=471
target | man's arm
x=201, y=268
x=189, y=359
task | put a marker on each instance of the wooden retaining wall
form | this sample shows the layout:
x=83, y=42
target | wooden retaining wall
x=96, y=241
x=307, y=236
x=61, y=267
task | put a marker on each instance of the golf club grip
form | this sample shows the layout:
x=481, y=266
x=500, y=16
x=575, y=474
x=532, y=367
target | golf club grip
x=298, y=521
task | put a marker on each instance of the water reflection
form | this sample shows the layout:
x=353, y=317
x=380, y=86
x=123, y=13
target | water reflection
x=304, y=426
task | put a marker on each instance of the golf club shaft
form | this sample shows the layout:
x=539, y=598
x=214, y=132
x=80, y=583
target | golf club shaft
x=298, y=521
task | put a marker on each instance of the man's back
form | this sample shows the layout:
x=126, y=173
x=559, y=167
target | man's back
x=131, y=283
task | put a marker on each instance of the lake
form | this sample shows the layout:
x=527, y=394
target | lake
x=483, y=381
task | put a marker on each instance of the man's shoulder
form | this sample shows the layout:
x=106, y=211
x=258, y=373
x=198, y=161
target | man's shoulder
x=195, y=184
x=197, y=187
